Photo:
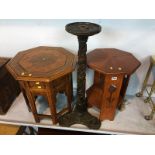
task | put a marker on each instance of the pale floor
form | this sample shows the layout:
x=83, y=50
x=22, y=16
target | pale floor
x=129, y=121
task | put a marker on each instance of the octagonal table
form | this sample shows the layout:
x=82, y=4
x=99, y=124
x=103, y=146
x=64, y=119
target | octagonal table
x=44, y=71
x=113, y=68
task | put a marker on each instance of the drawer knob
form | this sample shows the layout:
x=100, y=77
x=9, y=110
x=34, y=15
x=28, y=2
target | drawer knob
x=39, y=87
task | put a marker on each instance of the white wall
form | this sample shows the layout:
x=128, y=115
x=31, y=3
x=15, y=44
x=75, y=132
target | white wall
x=135, y=36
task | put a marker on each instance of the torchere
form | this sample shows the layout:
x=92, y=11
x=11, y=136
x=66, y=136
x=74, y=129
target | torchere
x=80, y=114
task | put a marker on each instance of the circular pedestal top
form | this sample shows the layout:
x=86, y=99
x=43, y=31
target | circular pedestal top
x=43, y=63
x=112, y=61
x=83, y=28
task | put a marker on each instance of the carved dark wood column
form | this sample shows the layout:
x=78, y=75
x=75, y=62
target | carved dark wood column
x=80, y=114
x=81, y=74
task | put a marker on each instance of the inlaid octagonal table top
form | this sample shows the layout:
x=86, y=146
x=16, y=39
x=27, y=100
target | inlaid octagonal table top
x=43, y=63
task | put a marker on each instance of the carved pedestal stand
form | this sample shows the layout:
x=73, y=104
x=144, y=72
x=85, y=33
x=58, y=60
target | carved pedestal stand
x=80, y=114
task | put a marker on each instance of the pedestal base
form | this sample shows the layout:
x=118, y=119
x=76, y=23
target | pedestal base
x=79, y=118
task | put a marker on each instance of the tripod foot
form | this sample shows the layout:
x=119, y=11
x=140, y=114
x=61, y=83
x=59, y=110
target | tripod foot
x=79, y=118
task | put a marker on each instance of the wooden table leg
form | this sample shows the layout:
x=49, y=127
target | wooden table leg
x=123, y=92
x=98, y=78
x=32, y=102
x=110, y=97
x=51, y=97
x=25, y=96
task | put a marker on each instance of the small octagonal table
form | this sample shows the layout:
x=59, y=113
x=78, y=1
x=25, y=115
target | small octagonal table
x=44, y=71
x=112, y=68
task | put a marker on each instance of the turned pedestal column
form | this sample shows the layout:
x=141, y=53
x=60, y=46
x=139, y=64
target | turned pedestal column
x=80, y=114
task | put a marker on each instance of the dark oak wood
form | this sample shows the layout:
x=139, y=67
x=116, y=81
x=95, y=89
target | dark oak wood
x=112, y=68
x=44, y=71
x=9, y=88
x=80, y=114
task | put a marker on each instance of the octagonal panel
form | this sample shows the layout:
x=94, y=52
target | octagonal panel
x=46, y=63
x=112, y=61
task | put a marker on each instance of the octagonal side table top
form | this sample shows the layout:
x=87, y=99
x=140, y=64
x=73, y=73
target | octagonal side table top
x=112, y=61
x=42, y=63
